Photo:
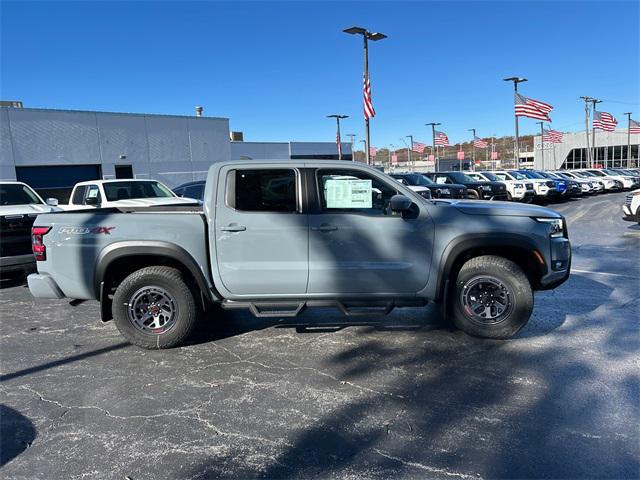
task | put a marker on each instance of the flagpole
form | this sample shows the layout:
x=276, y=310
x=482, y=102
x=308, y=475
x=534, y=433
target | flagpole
x=593, y=135
x=516, y=153
x=586, y=129
x=409, y=148
x=628, y=114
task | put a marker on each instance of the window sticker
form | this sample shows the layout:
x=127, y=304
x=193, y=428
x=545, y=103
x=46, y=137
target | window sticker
x=441, y=179
x=348, y=193
x=93, y=192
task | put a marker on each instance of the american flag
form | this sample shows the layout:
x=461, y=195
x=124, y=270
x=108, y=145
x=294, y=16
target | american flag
x=369, y=111
x=634, y=126
x=528, y=107
x=373, y=151
x=479, y=143
x=604, y=121
x=441, y=139
x=552, y=136
x=418, y=147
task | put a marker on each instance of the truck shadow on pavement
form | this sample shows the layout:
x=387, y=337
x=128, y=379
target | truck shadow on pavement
x=17, y=433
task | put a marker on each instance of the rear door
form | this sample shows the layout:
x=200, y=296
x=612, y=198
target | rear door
x=261, y=232
x=357, y=245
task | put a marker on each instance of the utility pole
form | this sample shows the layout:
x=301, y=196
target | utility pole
x=374, y=37
x=594, y=157
x=338, y=139
x=628, y=114
x=473, y=149
x=516, y=81
x=433, y=139
x=352, y=137
x=541, y=142
x=586, y=128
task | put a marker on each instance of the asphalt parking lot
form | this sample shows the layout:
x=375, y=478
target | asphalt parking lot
x=402, y=396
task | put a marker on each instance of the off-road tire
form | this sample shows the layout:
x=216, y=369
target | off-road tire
x=170, y=280
x=512, y=278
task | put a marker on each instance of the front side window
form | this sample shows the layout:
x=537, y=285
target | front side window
x=265, y=190
x=352, y=191
x=16, y=194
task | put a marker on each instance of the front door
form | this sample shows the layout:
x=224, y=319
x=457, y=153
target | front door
x=261, y=233
x=357, y=245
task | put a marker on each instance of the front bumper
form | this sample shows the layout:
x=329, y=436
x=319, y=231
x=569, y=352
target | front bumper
x=43, y=286
x=629, y=216
x=18, y=262
x=558, y=264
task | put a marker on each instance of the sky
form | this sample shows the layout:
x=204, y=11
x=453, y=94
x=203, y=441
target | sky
x=276, y=69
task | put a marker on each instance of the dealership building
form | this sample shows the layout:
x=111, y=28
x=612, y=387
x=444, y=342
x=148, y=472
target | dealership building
x=51, y=150
x=610, y=150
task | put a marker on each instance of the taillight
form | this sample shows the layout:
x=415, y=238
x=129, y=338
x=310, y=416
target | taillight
x=37, y=245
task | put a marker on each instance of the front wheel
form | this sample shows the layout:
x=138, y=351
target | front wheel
x=155, y=308
x=492, y=298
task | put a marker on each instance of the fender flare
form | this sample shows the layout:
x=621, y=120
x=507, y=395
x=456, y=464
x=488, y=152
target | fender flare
x=461, y=244
x=119, y=250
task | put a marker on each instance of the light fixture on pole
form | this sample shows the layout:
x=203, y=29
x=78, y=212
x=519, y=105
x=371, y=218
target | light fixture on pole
x=473, y=149
x=374, y=37
x=433, y=139
x=338, y=139
x=628, y=114
x=516, y=153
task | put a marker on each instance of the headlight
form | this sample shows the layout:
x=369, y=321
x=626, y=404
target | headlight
x=556, y=226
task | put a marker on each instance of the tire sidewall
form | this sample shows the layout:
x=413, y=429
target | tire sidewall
x=520, y=296
x=176, y=288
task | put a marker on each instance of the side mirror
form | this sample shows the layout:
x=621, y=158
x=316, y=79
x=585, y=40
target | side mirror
x=400, y=203
x=52, y=202
x=91, y=201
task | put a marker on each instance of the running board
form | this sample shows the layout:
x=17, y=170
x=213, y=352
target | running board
x=293, y=308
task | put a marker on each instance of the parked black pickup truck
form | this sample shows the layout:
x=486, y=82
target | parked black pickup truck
x=476, y=190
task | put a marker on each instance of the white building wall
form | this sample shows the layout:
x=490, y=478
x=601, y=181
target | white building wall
x=260, y=150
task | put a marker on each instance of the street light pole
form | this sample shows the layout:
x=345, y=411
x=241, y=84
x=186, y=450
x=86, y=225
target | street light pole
x=433, y=139
x=516, y=81
x=373, y=36
x=628, y=114
x=473, y=149
x=338, y=139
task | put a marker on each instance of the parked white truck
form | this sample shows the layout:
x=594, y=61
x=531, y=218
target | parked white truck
x=121, y=193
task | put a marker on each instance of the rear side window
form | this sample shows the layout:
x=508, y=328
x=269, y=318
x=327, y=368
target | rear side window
x=78, y=195
x=194, y=191
x=267, y=190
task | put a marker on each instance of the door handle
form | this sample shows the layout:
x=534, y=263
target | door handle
x=324, y=228
x=233, y=228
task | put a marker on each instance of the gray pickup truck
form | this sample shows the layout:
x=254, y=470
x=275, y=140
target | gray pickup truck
x=276, y=237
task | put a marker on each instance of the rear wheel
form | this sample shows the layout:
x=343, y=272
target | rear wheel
x=492, y=298
x=155, y=308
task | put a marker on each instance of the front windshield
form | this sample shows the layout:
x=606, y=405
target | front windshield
x=420, y=180
x=562, y=175
x=518, y=175
x=16, y=194
x=583, y=174
x=529, y=174
x=460, y=177
x=597, y=173
x=544, y=174
x=130, y=190
x=490, y=176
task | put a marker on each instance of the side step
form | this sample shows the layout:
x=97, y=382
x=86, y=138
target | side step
x=293, y=308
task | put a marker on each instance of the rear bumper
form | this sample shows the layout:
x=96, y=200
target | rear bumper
x=17, y=262
x=43, y=286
